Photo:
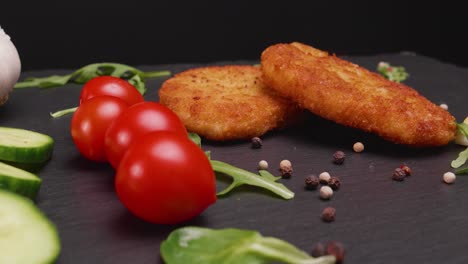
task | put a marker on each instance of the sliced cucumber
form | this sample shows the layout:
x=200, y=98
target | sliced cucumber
x=19, y=181
x=24, y=146
x=26, y=235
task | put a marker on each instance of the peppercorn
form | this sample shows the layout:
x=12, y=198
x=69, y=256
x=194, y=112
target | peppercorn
x=318, y=250
x=406, y=169
x=324, y=177
x=263, y=165
x=336, y=249
x=328, y=214
x=398, y=174
x=358, y=147
x=256, y=142
x=339, y=157
x=311, y=182
x=286, y=169
x=334, y=183
x=449, y=177
x=326, y=192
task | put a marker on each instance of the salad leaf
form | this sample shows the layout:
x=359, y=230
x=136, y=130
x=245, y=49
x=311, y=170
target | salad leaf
x=231, y=246
x=86, y=73
x=462, y=157
x=392, y=73
x=241, y=177
x=463, y=129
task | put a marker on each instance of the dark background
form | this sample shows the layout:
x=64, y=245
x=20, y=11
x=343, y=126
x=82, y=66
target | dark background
x=66, y=34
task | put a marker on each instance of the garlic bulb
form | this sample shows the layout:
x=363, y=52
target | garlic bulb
x=10, y=66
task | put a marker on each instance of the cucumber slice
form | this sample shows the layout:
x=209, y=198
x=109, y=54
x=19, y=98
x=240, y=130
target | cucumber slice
x=26, y=235
x=24, y=146
x=19, y=181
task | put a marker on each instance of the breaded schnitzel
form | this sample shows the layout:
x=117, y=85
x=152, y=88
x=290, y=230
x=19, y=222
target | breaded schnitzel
x=225, y=102
x=350, y=95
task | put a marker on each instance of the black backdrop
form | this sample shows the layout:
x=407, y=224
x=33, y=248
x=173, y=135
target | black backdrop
x=66, y=34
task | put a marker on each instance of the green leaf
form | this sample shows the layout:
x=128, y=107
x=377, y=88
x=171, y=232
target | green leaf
x=241, y=177
x=462, y=171
x=267, y=175
x=63, y=112
x=44, y=82
x=199, y=245
x=463, y=128
x=462, y=157
x=195, y=138
x=392, y=73
x=86, y=73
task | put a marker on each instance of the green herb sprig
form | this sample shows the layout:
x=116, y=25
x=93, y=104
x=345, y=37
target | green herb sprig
x=264, y=179
x=231, y=246
x=392, y=73
x=81, y=76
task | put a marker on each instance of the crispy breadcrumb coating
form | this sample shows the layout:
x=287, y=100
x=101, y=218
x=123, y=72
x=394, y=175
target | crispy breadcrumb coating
x=350, y=95
x=226, y=102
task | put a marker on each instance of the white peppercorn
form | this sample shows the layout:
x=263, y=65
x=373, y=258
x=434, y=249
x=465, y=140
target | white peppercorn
x=449, y=177
x=263, y=165
x=324, y=177
x=358, y=147
x=326, y=192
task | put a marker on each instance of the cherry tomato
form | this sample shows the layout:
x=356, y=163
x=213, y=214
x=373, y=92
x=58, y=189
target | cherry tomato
x=90, y=122
x=165, y=178
x=136, y=121
x=113, y=86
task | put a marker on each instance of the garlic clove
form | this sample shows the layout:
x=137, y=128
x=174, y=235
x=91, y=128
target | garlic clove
x=10, y=66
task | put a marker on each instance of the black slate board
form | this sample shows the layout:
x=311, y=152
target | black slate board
x=420, y=220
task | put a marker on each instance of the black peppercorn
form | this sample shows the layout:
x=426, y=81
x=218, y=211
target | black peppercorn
x=406, y=169
x=334, y=183
x=256, y=142
x=339, y=157
x=328, y=214
x=311, y=182
x=398, y=174
x=336, y=249
x=318, y=250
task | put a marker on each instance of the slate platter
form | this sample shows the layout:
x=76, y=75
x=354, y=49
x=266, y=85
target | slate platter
x=420, y=220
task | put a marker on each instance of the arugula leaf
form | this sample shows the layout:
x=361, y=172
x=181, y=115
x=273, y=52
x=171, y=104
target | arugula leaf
x=462, y=157
x=231, y=246
x=463, y=128
x=86, y=73
x=462, y=171
x=195, y=138
x=392, y=73
x=241, y=177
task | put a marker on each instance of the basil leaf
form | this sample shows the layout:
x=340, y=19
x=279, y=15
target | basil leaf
x=462, y=157
x=199, y=245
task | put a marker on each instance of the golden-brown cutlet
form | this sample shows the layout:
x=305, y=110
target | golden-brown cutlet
x=225, y=102
x=350, y=95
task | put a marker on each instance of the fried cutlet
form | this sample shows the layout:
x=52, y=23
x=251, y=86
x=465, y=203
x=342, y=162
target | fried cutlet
x=226, y=102
x=350, y=95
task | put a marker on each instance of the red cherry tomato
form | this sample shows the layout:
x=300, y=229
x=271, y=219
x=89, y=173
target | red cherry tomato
x=165, y=178
x=136, y=121
x=113, y=86
x=90, y=122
